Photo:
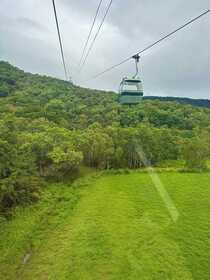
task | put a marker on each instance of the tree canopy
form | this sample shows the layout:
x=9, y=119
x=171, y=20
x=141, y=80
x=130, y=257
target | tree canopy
x=49, y=128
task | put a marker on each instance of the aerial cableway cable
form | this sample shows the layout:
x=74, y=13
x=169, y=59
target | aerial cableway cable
x=90, y=32
x=96, y=35
x=150, y=46
x=60, y=40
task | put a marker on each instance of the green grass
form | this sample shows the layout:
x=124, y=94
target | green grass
x=117, y=227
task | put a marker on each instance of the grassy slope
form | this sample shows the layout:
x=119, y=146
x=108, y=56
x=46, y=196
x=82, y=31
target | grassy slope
x=116, y=228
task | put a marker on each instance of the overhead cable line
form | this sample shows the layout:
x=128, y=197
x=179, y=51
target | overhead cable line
x=96, y=35
x=90, y=32
x=150, y=46
x=60, y=40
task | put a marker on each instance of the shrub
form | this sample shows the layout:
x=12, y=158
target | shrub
x=16, y=191
x=196, y=153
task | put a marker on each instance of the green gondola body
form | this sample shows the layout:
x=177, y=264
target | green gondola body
x=131, y=91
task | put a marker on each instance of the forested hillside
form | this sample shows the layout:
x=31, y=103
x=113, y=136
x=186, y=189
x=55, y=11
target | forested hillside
x=195, y=102
x=50, y=128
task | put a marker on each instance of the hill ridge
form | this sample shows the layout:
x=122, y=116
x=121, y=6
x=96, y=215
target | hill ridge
x=18, y=73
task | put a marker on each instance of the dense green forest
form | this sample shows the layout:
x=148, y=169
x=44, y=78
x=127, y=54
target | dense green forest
x=183, y=100
x=49, y=128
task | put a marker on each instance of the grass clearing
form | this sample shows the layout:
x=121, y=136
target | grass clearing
x=117, y=227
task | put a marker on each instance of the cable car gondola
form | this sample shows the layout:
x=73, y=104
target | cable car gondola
x=131, y=89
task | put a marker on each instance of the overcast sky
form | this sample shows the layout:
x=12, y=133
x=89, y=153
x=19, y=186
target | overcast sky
x=180, y=66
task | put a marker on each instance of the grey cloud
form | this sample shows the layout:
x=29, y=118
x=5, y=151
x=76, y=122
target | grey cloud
x=29, y=23
x=31, y=58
